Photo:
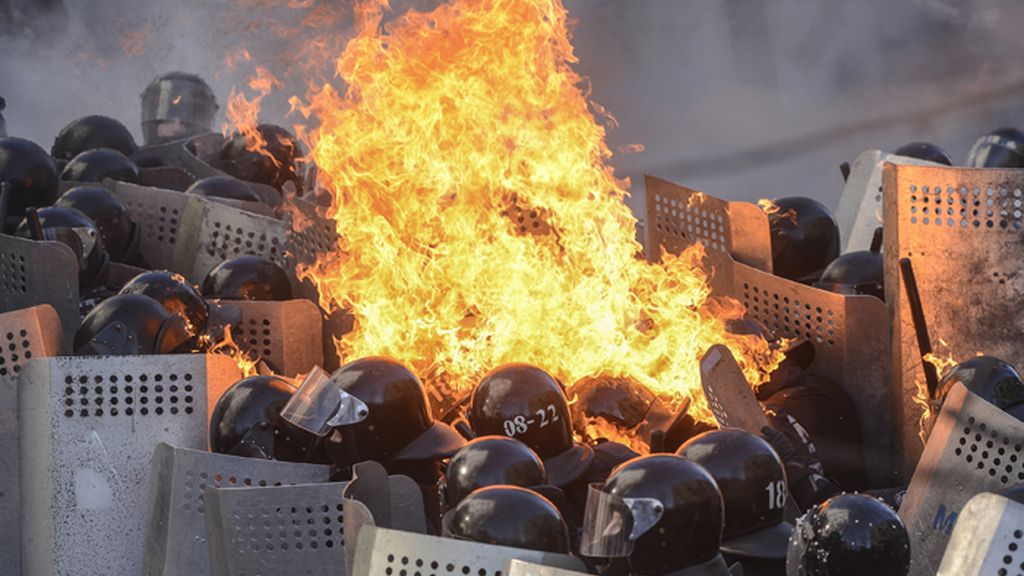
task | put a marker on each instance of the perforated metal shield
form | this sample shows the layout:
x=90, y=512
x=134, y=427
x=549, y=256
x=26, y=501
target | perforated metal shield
x=179, y=482
x=199, y=157
x=678, y=217
x=962, y=230
x=850, y=335
x=364, y=502
x=33, y=273
x=88, y=427
x=313, y=234
x=974, y=447
x=381, y=549
x=157, y=212
x=518, y=567
x=277, y=530
x=728, y=393
x=860, y=207
x=288, y=335
x=24, y=334
x=988, y=539
x=211, y=233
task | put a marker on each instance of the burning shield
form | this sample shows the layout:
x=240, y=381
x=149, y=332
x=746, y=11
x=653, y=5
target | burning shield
x=180, y=479
x=860, y=207
x=286, y=335
x=728, y=393
x=88, y=426
x=987, y=538
x=850, y=337
x=961, y=229
x=974, y=447
x=276, y=530
x=678, y=217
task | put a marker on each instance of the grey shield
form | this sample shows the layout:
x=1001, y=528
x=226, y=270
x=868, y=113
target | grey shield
x=33, y=273
x=678, y=217
x=157, y=212
x=365, y=503
x=277, y=530
x=850, y=333
x=989, y=537
x=288, y=335
x=522, y=568
x=962, y=230
x=88, y=426
x=176, y=527
x=381, y=550
x=860, y=206
x=728, y=393
x=974, y=447
x=24, y=334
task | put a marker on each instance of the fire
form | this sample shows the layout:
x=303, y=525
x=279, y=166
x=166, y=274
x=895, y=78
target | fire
x=480, y=220
x=770, y=208
x=923, y=398
x=248, y=363
x=243, y=113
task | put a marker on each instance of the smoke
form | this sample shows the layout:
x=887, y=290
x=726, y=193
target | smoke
x=741, y=99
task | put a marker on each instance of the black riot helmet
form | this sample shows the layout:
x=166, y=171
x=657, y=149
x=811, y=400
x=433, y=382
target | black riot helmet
x=223, y=187
x=1002, y=148
x=175, y=294
x=131, y=324
x=176, y=106
x=247, y=422
x=76, y=231
x=805, y=238
x=272, y=162
x=752, y=480
x=490, y=461
x=32, y=177
x=90, y=132
x=247, y=278
x=372, y=409
x=988, y=377
x=849, y=535
x=924, y=151
x=509, y=516
x=98, y=164
x=526, y=403
x=860, y=272
x=119, y=233
x=661, y=512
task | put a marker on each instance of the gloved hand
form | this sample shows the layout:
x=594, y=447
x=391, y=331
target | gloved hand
x=804, y=473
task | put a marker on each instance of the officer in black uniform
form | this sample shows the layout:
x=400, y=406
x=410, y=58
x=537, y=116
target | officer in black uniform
x=132, y=324
x=805, y=238
x=98, y=164
x=175, y=293
x=31, y=177
x=119, y=233
x=247, y=278
x=509, y=516
x=88, y=133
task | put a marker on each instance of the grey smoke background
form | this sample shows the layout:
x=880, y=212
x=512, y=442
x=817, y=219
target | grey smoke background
x=741, y=99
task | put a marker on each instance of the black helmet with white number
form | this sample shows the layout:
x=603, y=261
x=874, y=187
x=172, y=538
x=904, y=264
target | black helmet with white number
x=1002, y=148
x=752, y=480
x=526, y=403
x=988, y=377
x=247, y=422
x=662, y=513
x=849, y=535
x=490, y=461
x=509, y=516
x=805, y=238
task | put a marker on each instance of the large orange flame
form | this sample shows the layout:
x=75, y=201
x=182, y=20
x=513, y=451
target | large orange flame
x=480, y=220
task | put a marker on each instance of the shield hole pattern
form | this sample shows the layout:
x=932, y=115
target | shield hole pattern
x=1012, y=555
x=407, y=566
x=967, y=208
x=990, y=452
x=154, y=218
x=705, y=224
x=310, y=243
x=255, y=335
x=196, y=484
x=289, y=528
x=13, y=274
x=17, y=347
x=227, y=241
x=791, y=317
x=121, y=395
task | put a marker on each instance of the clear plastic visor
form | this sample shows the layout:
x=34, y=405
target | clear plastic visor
x=319, y=405
x=611, y=525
